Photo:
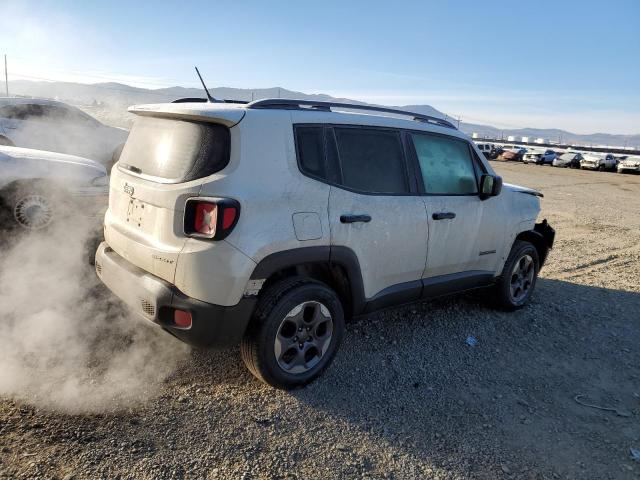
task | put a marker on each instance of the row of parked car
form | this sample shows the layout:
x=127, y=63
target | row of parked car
x=562, y=158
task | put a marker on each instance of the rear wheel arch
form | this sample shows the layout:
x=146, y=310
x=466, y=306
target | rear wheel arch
x=6, y=141
x=337, y=267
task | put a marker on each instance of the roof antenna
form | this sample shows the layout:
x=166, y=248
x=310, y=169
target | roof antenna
x=211, y=99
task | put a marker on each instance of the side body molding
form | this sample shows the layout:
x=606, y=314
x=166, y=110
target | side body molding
x=345, y=258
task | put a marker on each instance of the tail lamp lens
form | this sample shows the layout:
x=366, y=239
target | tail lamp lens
x=210, y=218
x=182, y=319
x=206, y=218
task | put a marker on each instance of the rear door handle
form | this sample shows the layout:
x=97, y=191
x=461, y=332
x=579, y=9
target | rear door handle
x=355, y=218
x=443, y=215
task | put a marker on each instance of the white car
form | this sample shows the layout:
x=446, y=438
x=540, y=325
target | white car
x=598, y=161
x=55, y=126
x=631, y=164
x=487, y=149
x=268, y=224
x=545, y=157
x=36, y=187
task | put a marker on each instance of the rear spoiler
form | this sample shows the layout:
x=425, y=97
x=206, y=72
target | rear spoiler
x=221, y=113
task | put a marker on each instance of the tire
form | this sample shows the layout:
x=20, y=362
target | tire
x=35, y=205
x=272, y=348
x=504, y=296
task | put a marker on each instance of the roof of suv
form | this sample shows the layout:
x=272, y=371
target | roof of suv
x=321, y=112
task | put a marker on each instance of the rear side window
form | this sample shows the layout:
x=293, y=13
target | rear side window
x=446, y=165
x=175, y=151
x=371, y=160
x=310, y=146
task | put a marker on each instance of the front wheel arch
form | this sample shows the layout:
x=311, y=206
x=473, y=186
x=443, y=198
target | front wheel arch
x=538, y=241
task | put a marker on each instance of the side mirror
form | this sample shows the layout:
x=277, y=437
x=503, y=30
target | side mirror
x=490, y=186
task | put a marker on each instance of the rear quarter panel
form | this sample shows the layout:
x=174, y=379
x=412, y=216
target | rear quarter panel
x=265, y=179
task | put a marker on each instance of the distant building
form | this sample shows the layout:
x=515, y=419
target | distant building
x=541, y=140
x=475, y=135
x=525, y=139
x=511, y=138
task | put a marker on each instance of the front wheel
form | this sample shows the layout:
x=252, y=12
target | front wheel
x=295, y=333
x=519, y=274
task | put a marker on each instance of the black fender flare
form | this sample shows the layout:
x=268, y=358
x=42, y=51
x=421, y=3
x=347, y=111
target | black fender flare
x=334, y=255
x=542, y=237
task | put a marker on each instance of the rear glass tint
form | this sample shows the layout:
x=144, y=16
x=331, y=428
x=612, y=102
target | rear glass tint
x=310, y=141
x=175, y=150
x=372, y=160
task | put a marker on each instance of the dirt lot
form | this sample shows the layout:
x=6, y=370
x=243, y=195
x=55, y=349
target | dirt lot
x=406, y=397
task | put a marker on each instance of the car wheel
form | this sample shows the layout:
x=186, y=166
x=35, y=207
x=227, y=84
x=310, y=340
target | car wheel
x=518, y=279
x=34, y=206
x=294, y=334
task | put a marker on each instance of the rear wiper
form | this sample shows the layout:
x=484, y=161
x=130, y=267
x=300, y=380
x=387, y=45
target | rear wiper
x=131, y=168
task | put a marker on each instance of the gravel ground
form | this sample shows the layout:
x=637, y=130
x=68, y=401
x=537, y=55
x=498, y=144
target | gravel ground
x=406, y=396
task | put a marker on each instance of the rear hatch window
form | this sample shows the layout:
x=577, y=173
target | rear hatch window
x=174, y=151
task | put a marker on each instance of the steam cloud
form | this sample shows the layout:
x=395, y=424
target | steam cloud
x=65, y=343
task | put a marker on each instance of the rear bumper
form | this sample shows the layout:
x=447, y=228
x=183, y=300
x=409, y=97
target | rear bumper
x=155, y=300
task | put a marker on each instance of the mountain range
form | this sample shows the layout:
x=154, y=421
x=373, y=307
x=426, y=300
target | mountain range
x=108, y=102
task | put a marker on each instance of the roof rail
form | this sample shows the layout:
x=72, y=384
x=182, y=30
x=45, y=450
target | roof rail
x=289, y=104
x=204, y=100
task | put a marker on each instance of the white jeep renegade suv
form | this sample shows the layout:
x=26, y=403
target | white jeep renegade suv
x=269, y=223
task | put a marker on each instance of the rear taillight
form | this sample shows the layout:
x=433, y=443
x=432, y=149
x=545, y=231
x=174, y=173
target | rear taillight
x=212, y=218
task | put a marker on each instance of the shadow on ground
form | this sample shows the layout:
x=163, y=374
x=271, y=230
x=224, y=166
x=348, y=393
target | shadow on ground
x=406, y=377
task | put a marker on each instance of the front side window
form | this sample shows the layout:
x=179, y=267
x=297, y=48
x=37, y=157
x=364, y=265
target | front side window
x=446, y=165
x=371, y=160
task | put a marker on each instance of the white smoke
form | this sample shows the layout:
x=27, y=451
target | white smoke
x=65, y=342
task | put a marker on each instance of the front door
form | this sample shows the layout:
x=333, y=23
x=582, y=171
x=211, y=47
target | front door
x=464, y=232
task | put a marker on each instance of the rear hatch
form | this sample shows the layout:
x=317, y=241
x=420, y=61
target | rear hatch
x=166, y=159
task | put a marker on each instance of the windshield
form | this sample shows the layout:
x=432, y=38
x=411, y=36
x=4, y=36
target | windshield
x=567, y=156
x=175, y=151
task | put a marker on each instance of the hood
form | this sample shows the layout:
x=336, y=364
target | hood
x=519, y=189
x=46, y=157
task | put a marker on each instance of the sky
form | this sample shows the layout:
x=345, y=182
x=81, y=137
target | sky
x=573, y=65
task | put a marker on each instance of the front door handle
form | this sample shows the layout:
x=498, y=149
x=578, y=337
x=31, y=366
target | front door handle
x=355, y=218
x=443, y=216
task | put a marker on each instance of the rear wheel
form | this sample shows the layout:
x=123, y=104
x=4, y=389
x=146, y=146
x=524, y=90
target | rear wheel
x=519, y=274
x=295, y=333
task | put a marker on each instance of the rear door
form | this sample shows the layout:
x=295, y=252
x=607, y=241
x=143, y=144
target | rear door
x=465, y=232
x=374, y=209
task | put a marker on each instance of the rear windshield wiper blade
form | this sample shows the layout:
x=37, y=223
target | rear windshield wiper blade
x=131, y=168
